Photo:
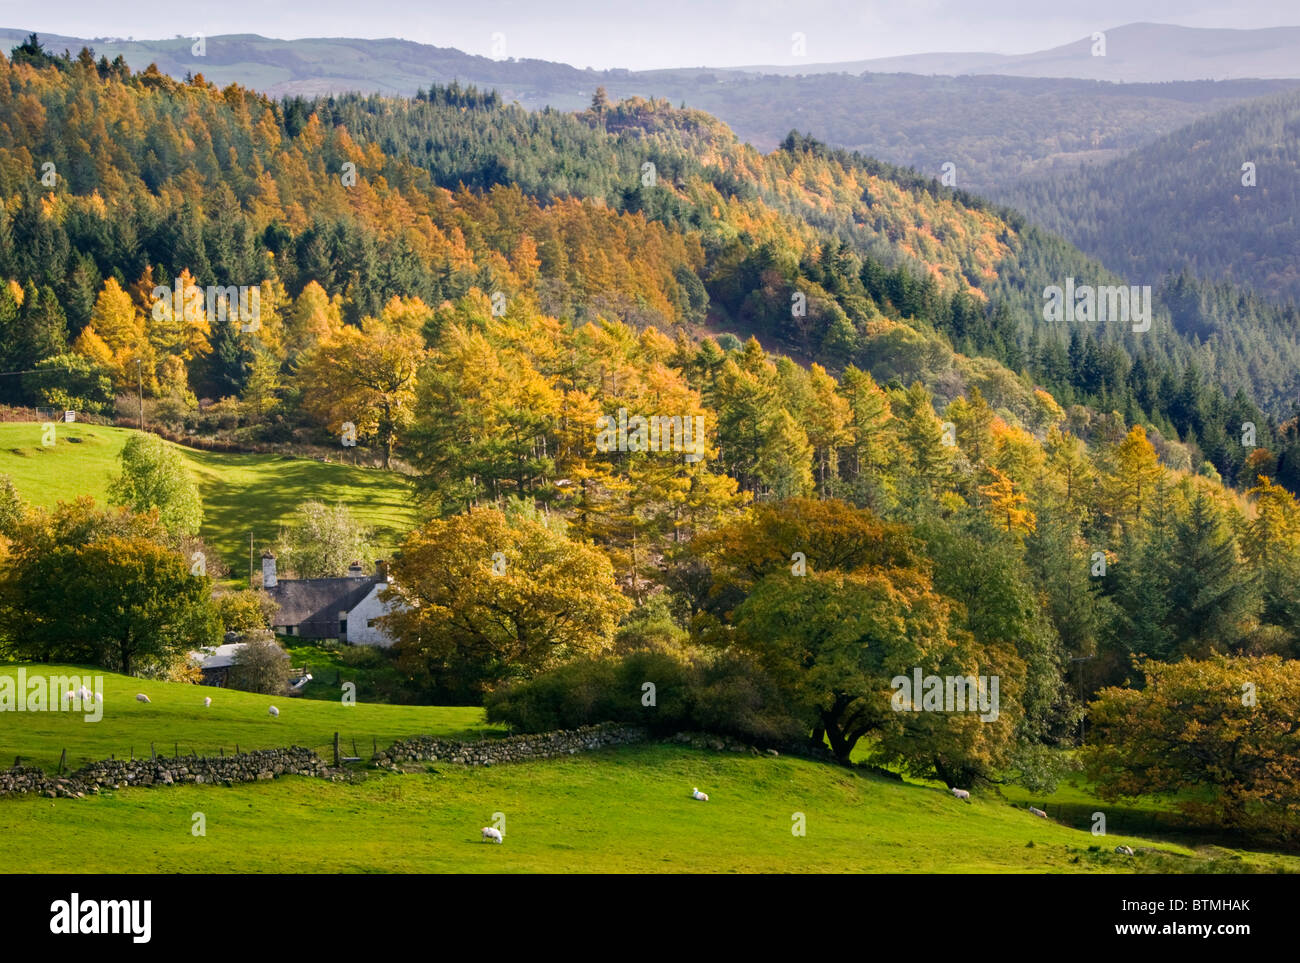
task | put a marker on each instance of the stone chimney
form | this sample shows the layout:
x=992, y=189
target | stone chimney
x=268, y=570
x=355, y=570
x=381, y=570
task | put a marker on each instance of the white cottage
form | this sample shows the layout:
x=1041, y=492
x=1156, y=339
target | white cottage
x=345, y=608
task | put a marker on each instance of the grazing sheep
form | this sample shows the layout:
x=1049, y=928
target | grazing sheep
x=86, y=694
x=69, y=695
x=99, y=697
x=1038, y=812
x=274, y=712
x=962, y=794
x=492, y=834
x=1124, y=850
x=141, y=697
x=207, y=701
x=701, y=796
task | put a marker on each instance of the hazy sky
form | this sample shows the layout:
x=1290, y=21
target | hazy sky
x=655, y=33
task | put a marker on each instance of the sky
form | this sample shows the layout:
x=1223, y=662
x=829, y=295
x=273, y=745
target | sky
x=654, y=33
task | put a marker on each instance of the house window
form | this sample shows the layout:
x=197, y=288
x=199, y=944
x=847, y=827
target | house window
x=343, y=628
x=370, y=623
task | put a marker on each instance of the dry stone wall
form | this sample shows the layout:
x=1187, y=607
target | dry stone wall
x=488, y=752
x=270, y=763
x=117, y=773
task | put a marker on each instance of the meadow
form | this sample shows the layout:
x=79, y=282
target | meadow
x=242, y=494
x=617, y=811
x=624, y=810
x=175, y=720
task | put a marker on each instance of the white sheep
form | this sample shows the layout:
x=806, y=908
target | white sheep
x=86, y=694
x=141, y=697
x=492, y=834
x=962, y=794
x=207, y=701
x=1124, y=850
x=69, y=695
x=273, y=711
x=1038, y=812
x=701, y=796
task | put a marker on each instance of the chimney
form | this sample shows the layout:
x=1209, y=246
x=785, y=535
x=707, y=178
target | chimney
x=268, y=570
x=381, y=570
x=355, y=570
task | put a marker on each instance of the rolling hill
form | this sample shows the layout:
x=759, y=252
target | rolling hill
x=995, y=125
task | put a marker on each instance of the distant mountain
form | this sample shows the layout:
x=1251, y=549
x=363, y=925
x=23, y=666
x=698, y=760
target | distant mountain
x=1134, y=53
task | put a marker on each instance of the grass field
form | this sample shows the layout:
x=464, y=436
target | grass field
x=241, y=493
x=625, y=810
x=176, y=715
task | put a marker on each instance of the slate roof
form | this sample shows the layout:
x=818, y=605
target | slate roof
x=314, y=604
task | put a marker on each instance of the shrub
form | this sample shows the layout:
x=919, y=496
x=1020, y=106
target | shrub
x=260, y=666
x=728, y=694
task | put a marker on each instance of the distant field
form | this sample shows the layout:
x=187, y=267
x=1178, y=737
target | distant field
x=176, y=716
x=241, y=493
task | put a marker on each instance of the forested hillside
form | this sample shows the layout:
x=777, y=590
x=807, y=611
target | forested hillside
x=636, y=212
x=1218, y=199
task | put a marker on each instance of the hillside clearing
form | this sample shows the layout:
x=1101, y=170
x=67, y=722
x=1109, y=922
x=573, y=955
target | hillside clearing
x=241, y=493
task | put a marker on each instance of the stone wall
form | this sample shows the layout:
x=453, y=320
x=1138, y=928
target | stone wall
x=117, y=773
x=488, y=752
x=270, y=763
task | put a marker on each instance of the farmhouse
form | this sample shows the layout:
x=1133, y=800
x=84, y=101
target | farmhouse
x=329, y=608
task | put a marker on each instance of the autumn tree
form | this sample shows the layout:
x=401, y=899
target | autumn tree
x=486, y=598
x=367, y=378
x=1217, y=733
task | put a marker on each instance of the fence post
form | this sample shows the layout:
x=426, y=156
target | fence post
x=336, y=750
x=63, y=759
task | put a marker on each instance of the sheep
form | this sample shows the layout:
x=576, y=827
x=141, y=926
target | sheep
x=962, y=794
x=273, y=711
x=701, y=796
x=1038, y=812
x=141, y=697
x=1124, y=850
x=207, y=701
x=492, y=834
x=85, y=694
x=69, y=695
